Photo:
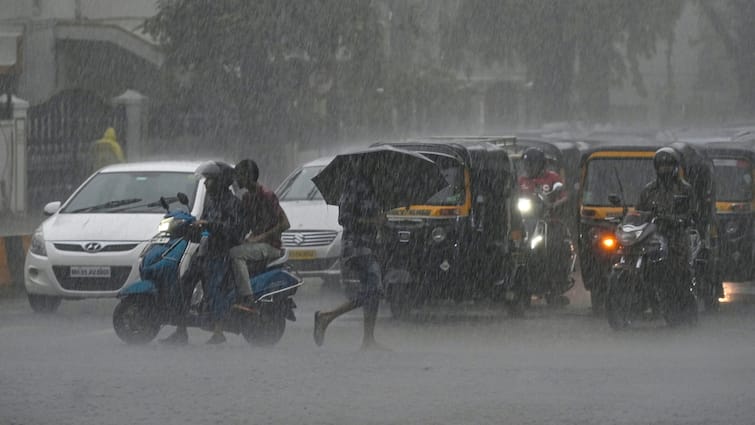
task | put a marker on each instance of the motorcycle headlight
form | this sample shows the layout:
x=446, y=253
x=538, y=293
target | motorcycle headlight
x=537, y=240
x=524, y=205
x=37, y=245
x=438, y=234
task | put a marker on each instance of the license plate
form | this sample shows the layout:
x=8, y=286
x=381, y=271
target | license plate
x=302, y=254
x=90, y=271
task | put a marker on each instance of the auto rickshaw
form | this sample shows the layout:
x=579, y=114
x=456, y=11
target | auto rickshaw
x=625, y=169
x=457, y=244
x=734, y=172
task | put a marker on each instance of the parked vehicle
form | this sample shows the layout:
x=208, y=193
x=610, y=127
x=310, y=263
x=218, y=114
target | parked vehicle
x=150, y=303
x=314, y=240
x=458, y=244
x=735, y=207
x=643, y=280
x=89, y=245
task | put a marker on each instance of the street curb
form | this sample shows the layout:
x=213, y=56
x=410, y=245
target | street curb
x=12, y=254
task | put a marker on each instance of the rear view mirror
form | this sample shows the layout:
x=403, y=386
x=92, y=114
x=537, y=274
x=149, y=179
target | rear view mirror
x=51, y=208
x=614, y=199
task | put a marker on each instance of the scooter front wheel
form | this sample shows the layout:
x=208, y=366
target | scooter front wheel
x=134, y=320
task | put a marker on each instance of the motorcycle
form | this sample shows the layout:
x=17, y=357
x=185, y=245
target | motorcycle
x=642, y=281
x=547, y=258
x=148, y=304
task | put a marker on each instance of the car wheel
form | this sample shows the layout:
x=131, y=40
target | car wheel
x=43, y=303
x=135, y=321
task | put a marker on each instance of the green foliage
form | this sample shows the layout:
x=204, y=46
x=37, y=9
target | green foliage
x=571, y=49
x=260, y=66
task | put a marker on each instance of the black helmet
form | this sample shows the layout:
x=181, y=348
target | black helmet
x=667, y=162
x=216, y=170
x=534, y=162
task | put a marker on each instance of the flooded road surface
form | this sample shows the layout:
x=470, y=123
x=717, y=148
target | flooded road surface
x=473, y=365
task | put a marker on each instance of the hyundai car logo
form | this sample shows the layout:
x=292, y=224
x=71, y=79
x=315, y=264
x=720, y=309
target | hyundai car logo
x=93, y=247
x=298, y=238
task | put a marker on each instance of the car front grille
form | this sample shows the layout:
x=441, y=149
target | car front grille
x=312, y=265
x=75, y=247
x=118, y=276
x=308, y=238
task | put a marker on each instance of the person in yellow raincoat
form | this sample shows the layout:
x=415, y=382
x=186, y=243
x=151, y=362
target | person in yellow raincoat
x=106, y=151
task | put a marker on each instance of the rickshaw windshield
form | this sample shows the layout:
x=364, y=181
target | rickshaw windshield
x=733, y=180
x=453, y=171
x=600, y=179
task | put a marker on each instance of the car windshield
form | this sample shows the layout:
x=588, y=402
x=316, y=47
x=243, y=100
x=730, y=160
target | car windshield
x=600, y=180
x=299, y=186
x=733, y=180
x=453, y=171
x=131, y=192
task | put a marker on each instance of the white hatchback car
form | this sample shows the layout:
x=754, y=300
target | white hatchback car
x=90, y=245
x=314, y=239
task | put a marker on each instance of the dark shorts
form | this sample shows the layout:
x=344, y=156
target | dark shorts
x=363, y=278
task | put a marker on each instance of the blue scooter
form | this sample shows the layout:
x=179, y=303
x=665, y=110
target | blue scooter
x=150, y=303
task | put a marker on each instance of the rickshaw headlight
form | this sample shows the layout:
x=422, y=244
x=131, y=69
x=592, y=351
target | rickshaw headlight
x=438, y=234
x=524, y=205
x=732, y=227
x=537, y=240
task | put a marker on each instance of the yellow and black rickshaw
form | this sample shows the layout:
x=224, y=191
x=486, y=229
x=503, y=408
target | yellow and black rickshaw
x=734, y=165
x=456, y=244
x=625, y=169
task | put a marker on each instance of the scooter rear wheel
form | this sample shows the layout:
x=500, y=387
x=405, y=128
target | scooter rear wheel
x=265, y=329
x=134, y=320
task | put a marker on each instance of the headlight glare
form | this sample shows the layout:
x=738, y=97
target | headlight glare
x=37, y=245
x=524, y=205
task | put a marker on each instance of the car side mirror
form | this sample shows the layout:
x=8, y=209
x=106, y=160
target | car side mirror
x=614, y=199
x=51, y=208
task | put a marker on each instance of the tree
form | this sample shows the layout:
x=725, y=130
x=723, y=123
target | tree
x=247, y=64
x=571, y=50
x=733, y=22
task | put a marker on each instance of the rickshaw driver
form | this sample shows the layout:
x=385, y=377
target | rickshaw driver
x=537, y=177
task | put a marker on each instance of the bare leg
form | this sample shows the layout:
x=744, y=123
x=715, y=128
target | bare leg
x=323, y=319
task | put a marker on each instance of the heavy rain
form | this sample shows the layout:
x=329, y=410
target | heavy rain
x=377, y=211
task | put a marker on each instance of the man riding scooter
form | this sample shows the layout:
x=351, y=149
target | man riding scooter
x=222, y=218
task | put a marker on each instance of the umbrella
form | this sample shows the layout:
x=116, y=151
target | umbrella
x=398, y=177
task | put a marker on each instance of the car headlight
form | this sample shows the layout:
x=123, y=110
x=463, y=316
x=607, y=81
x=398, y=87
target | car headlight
x=37, y=246
x=438, y=234
x=524, y=205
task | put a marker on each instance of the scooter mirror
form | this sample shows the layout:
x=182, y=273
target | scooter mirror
x=614, y=199
x=182, y=198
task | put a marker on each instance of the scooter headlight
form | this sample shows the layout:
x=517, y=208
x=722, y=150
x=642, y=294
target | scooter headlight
x=524, y=205
x=438, y=234
x=165, y=225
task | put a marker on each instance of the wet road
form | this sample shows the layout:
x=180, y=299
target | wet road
x=477, y=366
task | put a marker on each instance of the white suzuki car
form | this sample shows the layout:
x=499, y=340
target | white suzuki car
x=90, y=244
x=314, y=239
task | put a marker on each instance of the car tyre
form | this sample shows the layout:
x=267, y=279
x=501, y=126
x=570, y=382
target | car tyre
x=43, y=303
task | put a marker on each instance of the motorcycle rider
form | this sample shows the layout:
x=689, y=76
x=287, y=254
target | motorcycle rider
x=264, y=222
x=222, y=218
x=536, y=177
x=670, y=196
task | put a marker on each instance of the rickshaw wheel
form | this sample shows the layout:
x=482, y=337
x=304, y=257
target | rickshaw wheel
x=598, y=301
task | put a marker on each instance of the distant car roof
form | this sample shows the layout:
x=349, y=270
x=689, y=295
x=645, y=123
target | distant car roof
x=175, y=166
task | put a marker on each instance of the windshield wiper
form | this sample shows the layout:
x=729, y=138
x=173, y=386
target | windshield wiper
x=169, y=200
x=107, y=205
